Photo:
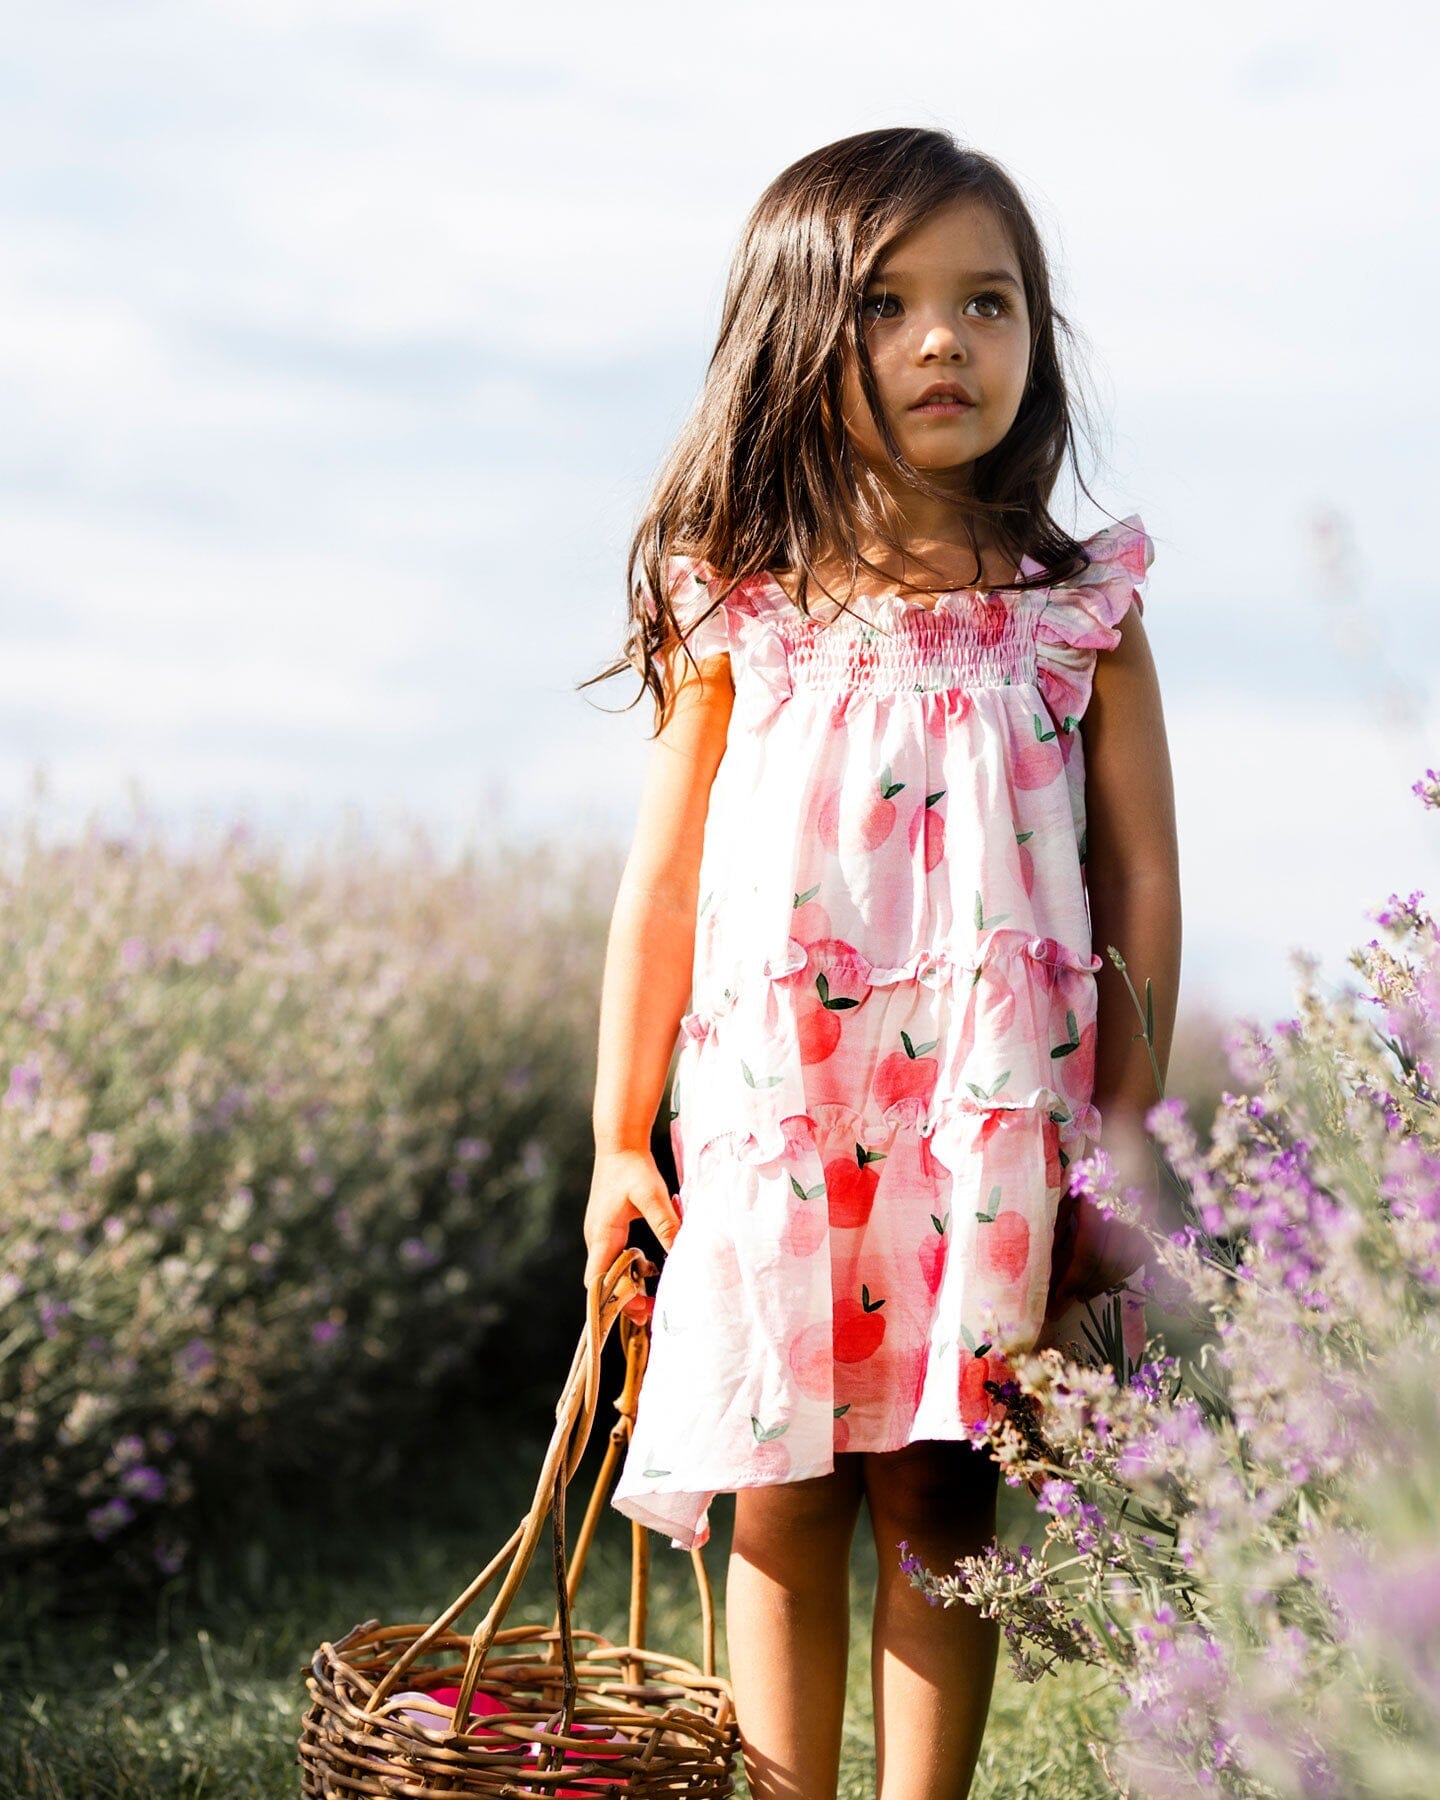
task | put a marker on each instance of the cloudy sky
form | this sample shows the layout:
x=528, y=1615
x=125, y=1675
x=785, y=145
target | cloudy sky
x=338, y=343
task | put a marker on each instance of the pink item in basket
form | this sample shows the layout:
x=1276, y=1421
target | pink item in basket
x=481, y=1703
x=588, y=1784
x=484, y=1704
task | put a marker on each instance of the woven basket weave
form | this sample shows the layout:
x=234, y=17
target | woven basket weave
x=568, y=1713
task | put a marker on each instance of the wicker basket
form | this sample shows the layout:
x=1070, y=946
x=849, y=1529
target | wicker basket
x=563, y=1711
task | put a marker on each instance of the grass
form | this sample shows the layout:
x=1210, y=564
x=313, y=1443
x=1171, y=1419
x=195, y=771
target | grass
x=198, y=1695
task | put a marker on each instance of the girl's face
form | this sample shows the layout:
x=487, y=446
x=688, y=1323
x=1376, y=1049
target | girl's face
x=945, y=306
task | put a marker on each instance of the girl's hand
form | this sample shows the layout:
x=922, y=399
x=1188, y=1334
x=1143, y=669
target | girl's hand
x=1092, y=1254
x=626, y=1185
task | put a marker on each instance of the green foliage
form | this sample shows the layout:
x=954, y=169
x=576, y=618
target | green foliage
x=199, y=1697
x=288, y=1153
x=1247, y=1540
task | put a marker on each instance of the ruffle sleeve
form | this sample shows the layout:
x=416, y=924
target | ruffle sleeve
x=703, y=625
x=1083, y=618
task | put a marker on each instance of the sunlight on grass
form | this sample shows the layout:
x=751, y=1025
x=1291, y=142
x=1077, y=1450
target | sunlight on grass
x=201, y=1699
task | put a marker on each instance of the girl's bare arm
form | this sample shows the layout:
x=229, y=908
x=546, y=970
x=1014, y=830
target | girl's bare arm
x=1132, y=879
x=1132, y=868
x=649, y=962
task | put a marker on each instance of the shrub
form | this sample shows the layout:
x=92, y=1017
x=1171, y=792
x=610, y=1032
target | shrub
x=1248, y=1539
x=286, y=1151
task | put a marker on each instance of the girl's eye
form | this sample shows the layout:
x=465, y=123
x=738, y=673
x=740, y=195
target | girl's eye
x=1002, y=305
x=880, y=300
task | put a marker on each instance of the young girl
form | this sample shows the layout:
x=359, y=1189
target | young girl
x=862, y=858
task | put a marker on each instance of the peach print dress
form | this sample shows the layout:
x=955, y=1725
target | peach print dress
x=891, y=1053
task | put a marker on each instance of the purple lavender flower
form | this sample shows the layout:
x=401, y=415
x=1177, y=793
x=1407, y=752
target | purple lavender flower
x=145, y=1483
x=51, y=1313
x=230, y=1105
x=1400, y=915
x=417, y=1253
x=169, y=1556
x=24, y=1089
x=104, y=1521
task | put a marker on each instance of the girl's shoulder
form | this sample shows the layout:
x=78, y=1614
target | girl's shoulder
x=1081, y=616
x=706, y=605
x=1107, y=587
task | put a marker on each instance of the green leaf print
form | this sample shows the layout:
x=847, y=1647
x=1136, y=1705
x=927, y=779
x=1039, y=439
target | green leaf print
x=654, y=1474
x=1074, y=1043
x=940, y=1224
x=809, y=894
x=1020, y=836
x=981, y=922
x=766, y=1434
x=807, y=1193
x=889, y=786
x=994, y=1204
x=1041, y=735
x=840, y=1411
x=939, y=794
x=989, y=1093
x=759, y=1081
x=1070, y=722
x=822, y=988
x=914, y=1050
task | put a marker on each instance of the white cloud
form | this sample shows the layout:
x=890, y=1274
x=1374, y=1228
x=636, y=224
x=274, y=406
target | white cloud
x=337, y=341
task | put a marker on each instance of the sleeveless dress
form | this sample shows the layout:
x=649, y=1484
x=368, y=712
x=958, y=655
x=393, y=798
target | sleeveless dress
x=891, y=1053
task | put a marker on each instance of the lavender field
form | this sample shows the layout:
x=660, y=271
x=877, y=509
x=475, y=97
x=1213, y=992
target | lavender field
x=295, y=1157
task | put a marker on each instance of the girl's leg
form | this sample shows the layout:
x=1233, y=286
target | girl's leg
x=787, y=1629
x=933, y=1667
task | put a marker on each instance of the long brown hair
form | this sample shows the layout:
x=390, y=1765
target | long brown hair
x=762, y=475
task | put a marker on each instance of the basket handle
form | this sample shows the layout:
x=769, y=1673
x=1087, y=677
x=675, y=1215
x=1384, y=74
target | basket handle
x=605, y=1300
x=635, y=1340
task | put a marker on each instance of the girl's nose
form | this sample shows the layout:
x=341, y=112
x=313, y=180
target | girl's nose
x=942, y=341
